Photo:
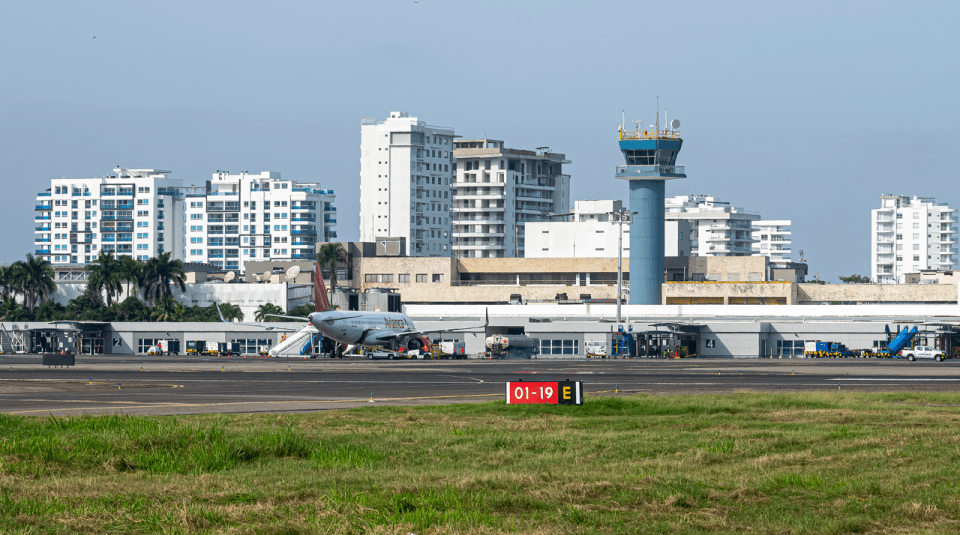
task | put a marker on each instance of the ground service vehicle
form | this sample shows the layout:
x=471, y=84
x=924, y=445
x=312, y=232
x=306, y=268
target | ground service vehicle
x=512, y=346
x=596, y=349
x=225, y=349
x=201, y=347
x=448, y=350
x=818, y=349
x=923, y=352
x=165, y=347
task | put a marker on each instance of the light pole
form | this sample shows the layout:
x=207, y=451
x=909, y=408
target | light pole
x=619, y=217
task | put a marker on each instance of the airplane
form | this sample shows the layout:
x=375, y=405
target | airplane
x=391, y=330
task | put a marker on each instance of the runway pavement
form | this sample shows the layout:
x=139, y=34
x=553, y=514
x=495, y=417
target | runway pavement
x=189, y=385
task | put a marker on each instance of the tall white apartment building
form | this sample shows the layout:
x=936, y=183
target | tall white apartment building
x=405, y=171
x=244, y=217
x=497, y=191
x=135, y=213
x=772, y=239
x=717, y=229
x=909, y=235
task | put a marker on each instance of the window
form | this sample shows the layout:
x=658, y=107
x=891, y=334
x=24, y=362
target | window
x=404, y=278
x=378, y=278
x=438, y=277
x=789, y=347
x=422, y=277
x=559, y=347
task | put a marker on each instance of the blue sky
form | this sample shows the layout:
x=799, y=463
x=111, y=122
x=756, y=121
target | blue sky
x=804, y=111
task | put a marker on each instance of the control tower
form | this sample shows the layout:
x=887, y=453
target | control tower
x=650, y=157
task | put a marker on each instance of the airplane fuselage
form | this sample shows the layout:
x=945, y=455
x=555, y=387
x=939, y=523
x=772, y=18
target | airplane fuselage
x=364, y=328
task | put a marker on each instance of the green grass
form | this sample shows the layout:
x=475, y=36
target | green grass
x=796, y=463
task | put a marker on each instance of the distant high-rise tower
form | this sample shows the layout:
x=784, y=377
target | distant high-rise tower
x=406, y=167
x=650, y=157
x=910, y=235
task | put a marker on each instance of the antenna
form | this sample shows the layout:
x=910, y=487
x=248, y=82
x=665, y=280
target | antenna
x=229, y=276
x=292, y=273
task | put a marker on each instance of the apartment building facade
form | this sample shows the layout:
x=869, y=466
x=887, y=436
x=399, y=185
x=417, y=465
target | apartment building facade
x=716, y=228
x=406, y=167
x=237, y=218
x=497, y=191
x=136, y=213
x=909, y=235
x=772, y=239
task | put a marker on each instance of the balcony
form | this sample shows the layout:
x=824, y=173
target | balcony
x=44, y=207
x=308, y=219
x=329, y=220
x=42, y=240
x=42, y=251
x=304, y=232
x=42, y=218
x=44, y=194
x=42, y=228
x=650, y=172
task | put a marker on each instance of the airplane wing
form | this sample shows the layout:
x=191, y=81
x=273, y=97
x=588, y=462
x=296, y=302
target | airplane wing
x=265, y=326
x=296, y=318
x=389, y=335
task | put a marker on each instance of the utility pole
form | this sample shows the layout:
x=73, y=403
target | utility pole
x=619, y=217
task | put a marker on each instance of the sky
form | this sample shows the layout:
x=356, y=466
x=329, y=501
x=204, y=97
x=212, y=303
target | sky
x=807, y=111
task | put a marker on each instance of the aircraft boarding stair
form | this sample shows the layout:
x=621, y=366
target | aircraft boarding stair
x=297, y=344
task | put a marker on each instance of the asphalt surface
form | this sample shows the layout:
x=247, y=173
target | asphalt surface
x=190, y=385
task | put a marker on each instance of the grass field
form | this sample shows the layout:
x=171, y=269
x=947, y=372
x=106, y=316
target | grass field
x=795, y=463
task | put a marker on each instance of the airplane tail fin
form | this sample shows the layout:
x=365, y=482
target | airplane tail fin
x=320, y=299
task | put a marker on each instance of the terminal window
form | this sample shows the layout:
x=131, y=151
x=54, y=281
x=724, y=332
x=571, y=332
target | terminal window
x=789, y=348
x=559, y=347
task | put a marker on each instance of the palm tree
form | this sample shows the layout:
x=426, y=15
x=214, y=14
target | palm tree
x=331, y=254
x=106, y=274
x=230, y=312
x=158, y=273
x=6, y=286
x=131, y=271
x=265, y=309
x=165, y=309
x=34, y=278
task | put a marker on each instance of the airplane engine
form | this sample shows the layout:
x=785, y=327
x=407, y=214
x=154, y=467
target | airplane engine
x=418, y=344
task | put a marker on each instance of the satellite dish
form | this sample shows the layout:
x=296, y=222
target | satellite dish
x=258, y=277
x=292, y=273
x=229, y=276
x=266, y=276
x=675, y=124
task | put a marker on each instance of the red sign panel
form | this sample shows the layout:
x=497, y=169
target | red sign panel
x=551, y=392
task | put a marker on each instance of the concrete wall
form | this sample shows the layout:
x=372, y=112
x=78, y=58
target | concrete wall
x=876, y=293
x=729, y=293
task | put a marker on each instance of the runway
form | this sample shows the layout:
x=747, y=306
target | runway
x=191, y=385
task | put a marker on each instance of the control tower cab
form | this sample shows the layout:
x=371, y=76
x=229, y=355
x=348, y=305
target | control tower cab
x=650, y=158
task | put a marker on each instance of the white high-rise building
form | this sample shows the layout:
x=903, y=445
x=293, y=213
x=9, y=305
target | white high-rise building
x=497, y=191
x=405, y=171
x=250, y=217
x=772, y=239
x=135, y=213
x=717, y=229
x=909, y=235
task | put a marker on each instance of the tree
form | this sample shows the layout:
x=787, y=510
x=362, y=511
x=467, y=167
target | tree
x=303, y=310
x=855, y=279
x=165, y=309
x=34, y=279
x=158, y=273
x=131, y=272
x=6, y=281
x=265, y=309
x=132, y=309
x=230, y=311
x=50, y=311
x=106, y=274
x=329, y=255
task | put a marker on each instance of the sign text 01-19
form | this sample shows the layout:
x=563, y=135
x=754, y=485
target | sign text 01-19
x=549, y=392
